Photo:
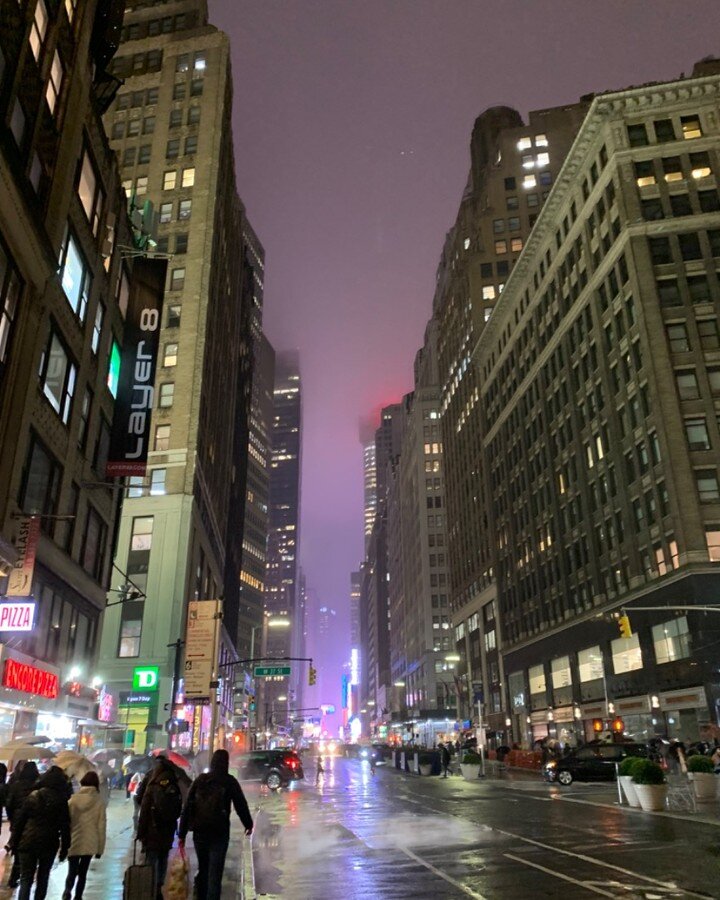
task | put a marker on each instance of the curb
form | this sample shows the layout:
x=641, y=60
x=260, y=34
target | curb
x=701, y=820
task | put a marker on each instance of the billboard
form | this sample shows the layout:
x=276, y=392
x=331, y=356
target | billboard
x=130, y=438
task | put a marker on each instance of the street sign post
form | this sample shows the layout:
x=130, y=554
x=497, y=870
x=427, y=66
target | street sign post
x=271, y=671
x=200, y=647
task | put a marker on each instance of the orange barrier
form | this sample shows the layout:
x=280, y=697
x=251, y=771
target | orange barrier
x=524, y=759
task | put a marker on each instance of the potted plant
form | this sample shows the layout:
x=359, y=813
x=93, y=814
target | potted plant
x=470, y=765
x=625, y=777
x=425, y=761
x=650, y=785
x=702, y=774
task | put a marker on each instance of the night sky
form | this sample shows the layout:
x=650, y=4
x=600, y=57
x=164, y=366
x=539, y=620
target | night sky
x=352, y=123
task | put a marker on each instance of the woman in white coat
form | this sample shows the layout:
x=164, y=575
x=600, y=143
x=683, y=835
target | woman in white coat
x=88, y=822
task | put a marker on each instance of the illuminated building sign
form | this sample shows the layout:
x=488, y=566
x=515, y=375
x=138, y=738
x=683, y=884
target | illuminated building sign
x=106, y=705
x=113, y=378
x=354, y=666
x=17, y=615
x=30, y=680
x=129, y=698
x=344, y=691
x=146, y=678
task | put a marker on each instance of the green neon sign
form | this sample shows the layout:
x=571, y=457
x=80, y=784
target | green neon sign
x=146, y=678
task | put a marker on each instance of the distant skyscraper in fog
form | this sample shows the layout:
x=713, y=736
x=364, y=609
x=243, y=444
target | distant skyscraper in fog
x=369, y=487
x=355, y=584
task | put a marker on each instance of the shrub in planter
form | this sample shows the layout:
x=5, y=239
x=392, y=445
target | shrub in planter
x=470, y=758
x=426, y=760
x=702, y=774
x=625, y=774
x=649, y=781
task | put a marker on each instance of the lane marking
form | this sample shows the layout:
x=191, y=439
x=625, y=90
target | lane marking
x=462, y=887
x=582, y=884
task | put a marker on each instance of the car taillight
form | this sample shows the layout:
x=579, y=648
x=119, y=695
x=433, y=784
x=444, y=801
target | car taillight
x=292, y=763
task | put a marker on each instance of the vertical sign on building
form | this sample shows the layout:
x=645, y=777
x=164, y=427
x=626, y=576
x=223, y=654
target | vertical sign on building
x=130, y=439
x=200, y=646
x=21, y=575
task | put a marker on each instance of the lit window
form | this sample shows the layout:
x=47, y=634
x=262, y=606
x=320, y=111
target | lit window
x=700, y=165
x=38, y=29
x=626, y=654
x=672, y=169
x=466, y=243
x=157, y=481
x=671, y=640
x=182, y=64
x=529, y=181
x=70, y=9
x=141, y=185
x=644, y=173
x=54, y=85
x=177, y=279
x=162, y=437
x=487, y=312
x=188, y=177
x=528, y=161
x=541, y=140
x=543, y=159
x=89, y=192
x=536, y=680
x=691, y=127
x=590, y=664
x=75, y=276
x=169, y=180
x=57, y=376
x=712, y=538
x=516, y=245
x=488, y=292
x=199, y=63
x=170, y=355
x=166, y=211
x=524, y=143
x=167, y=394
x=500, y=247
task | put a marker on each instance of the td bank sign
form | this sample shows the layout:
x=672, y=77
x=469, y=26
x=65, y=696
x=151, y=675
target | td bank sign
x=146, y=678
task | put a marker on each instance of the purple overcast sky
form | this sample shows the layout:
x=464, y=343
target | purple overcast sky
x=352, y=122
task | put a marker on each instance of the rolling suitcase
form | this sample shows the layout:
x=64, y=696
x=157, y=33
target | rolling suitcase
x=139, y=880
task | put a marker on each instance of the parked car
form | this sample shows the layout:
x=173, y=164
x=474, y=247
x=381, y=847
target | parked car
x=275, y=768
x=594, y=762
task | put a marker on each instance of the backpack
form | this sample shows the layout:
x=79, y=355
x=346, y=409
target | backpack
x=166, y=802
x=210, y=804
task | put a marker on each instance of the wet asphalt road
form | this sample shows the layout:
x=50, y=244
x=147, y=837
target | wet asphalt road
x=357, y=836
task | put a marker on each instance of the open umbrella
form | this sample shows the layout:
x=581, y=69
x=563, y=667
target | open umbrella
x=33, y=739
x=75, y=765
x=141, y=764
x=14, y=753
x=111, y=758
x=176, y=758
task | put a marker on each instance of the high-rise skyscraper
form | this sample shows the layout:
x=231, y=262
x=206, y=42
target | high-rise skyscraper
x=355, y=588
x=369, y=487
x=180, y=534
x=281, y=602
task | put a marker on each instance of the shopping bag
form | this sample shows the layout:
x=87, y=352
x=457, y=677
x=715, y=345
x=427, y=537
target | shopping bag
x=177, y=883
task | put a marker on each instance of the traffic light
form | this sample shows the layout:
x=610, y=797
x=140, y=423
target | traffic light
x=237, y=738
x=624, y=626
x=251, y=702
x=312, y=675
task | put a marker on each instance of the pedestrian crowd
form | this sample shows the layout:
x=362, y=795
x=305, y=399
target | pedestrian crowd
x=49, y=820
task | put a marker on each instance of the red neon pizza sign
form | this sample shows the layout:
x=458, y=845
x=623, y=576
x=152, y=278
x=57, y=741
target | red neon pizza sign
x=31, y=680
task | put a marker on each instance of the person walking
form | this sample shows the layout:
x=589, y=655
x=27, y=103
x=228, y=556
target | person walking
x=207, y=814
x=445, y=759
x=88, y=824
x=319, y=770
x=160, y=804
x=19, y=787
x=40, y=829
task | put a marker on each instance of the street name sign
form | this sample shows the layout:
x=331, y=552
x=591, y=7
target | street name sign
x=271, y=671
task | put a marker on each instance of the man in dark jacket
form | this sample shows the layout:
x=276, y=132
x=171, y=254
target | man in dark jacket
x=160, y=804
x=22, y=781
x=207, y=815
x=39, y=829
x=445, y=759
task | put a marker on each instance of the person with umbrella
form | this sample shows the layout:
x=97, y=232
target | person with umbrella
x=160, y=802
x=21, y=783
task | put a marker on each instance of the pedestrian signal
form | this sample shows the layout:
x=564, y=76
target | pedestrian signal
x=597, y=725
x=312, y=675
x=618, y=726
x=624, y=626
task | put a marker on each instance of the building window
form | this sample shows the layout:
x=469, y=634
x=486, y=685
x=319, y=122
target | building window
x=193, y=117
x=644, y=173
x=707, y=485
x=700, y=165
x=712, y=538
x=169, y=180
x=687, y=385
x=173, y=316
x=54, y=85
x=516, y=245
x=38, y=28
x=57, y=376
x=671, y=640
x=172, y=149
x=529, y=181
x=691, y=127
x=10, y=287
x=626, y=654
x=167, y=393
x=690, y=246
x=128, y=158
x=177, y=279
x=18, y=122
x=40, y=485
x=191, y=145
x=199, y=63
x=590, y=664
x=133, y=127
x=97, y=327
x=188, y=177
x=176, y=116
x=660, y=251
x=75, y=275
x=488, y=292
x=179, y=91
x=697, y=434
x=536, y=680
x=708, y=333
x=157, y=481
x=130, y=629
x=500, y=247
x=196, y=87
x=70, y=6
x=84, y=419
x=664, y=130
x=181, y=244
x=148, y=125
x=170, y=355
x=166, y=212
x=141, y=185
x=637, y=135
x=184, y=210
x=93, y=546
x=668, y=292
x=162, y=438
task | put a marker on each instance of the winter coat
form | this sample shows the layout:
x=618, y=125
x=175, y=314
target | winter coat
x=43, y=823
x=445, y=756
x=156, y=832
x=18, y=789
x=87, y=823
x=233, y=795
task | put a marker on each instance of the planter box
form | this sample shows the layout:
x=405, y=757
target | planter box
x=426, y=768
x=628, y=787
x=651, y=796
x=470, y=772
x=704, y=785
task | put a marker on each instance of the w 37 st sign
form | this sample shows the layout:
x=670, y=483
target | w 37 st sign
x=130, y=438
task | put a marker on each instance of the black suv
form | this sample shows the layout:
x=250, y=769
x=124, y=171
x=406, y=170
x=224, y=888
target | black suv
x=275, y=768
x=594, y=762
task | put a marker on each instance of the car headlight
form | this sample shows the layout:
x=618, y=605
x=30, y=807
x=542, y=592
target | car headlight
x=551, y=765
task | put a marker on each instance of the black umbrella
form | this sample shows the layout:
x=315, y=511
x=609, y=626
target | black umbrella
x=141, y=764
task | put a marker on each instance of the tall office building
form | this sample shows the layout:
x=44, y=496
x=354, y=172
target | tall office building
x=512, y=169
x=355, y=589
x=369, y=487
x=180, y=534
x=65, y=283
x=281, y=601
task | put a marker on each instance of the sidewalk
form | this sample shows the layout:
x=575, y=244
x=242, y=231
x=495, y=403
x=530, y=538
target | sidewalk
x=105, y=879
